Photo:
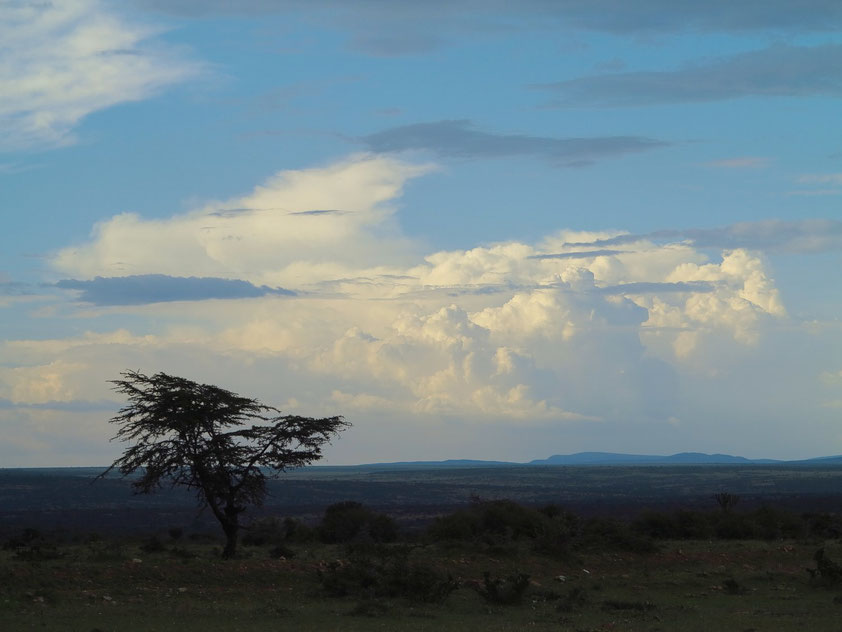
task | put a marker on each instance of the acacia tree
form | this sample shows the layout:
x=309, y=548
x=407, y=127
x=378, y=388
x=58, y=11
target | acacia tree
x=215, y=442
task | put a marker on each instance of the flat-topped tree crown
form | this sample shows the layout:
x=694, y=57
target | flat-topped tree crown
x=218, y=443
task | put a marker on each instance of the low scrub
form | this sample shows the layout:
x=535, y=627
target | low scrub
x=505, y=591
x=349, y=521
x=502, y=522
x=32, y=545
x=389, y=574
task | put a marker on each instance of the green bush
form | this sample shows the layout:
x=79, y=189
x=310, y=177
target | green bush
x=350, y=520
x=499, y=522
x=297, y=531
x=774, y=524
x=575, y=599
x=32, y=545
x=389, y=574
x=823, y=526
x=153, y=544
x=264, y=531
x=613, y=535
x=503, y=590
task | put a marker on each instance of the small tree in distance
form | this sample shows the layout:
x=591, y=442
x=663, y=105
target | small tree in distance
x=196, y=436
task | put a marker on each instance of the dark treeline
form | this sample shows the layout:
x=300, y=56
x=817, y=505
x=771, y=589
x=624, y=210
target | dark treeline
x=489, y=524
x=67, y=499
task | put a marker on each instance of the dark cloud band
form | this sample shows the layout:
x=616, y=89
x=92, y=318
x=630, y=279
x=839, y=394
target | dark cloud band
x=777, y=71
x=160, y=288
x=459, y=139
x=803, y=236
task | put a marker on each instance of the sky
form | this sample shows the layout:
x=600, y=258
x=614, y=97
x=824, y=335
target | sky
x=476, y=229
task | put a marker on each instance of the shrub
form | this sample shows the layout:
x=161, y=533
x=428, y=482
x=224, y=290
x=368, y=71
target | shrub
x=282, y=551
x=730, y=526
x=350, y=520
x=32, y=545
x=732, y=587
x=153, y=544
x=827, y=571
x=499, y=522
x=824, y=526
x=774, y=524
x=297, y=531
x=503, y=590
x=639, y=606
x=264, y=531
x=576, y=598
x=610, y=534
x=369, y=608
x=390, y=574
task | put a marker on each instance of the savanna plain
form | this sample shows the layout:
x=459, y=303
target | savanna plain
x=460, y=549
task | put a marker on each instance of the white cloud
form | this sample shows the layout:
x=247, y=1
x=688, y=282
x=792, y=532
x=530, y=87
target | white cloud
x=540, y=337
x=505, y=331
x=63, y=60
x=296, y=229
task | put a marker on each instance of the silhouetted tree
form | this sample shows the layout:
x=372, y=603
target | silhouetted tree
x=726, y=501
x=197, y=436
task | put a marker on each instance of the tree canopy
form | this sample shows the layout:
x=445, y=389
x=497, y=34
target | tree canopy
x=205, y=438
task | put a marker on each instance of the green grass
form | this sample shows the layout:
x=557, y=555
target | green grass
x=686, y=586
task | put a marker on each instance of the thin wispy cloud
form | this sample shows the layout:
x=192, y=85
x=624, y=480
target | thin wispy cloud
x=643, y=287
x=821, y=178
x=159, y=288
x=802, y=236
x=460, y=139
x=585, y=254
x=413, y=28
x=15, y=288
x=777, y=71
x=61, y=61
x=320, y=212
x=743, y=162
x=71, y=406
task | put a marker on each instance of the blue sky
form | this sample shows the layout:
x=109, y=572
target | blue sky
x=476, y=229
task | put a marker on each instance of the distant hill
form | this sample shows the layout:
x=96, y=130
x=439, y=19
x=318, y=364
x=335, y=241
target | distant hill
x=683, y=458
x=608, y=458
x=442, y=464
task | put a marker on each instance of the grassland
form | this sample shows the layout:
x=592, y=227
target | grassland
x=620, y=565
x=687, y=585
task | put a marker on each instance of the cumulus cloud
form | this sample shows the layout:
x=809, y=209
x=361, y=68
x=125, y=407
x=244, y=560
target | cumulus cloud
x=64, y=60
x=581, y=329
x=158, y=288
x=270, y=236
x=459, y=139
x=777, y=71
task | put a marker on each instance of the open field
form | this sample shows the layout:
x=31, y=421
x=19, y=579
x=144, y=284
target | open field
x=688, y=586
x=645, y=549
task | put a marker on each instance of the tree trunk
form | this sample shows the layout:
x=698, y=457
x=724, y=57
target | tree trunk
x=231, y=527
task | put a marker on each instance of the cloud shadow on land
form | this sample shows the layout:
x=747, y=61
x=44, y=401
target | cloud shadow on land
x=459, y=139
x=160, y=288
